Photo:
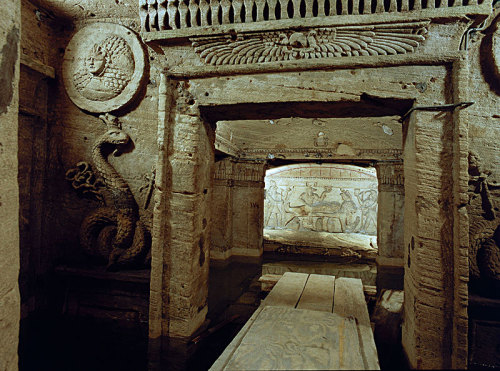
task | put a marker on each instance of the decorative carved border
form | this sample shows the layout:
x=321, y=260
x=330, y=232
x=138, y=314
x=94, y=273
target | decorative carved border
x=312, y=43
x=320, y=153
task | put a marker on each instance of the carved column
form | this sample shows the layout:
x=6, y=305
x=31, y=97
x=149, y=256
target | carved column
x=180, y=248
x=390, y=226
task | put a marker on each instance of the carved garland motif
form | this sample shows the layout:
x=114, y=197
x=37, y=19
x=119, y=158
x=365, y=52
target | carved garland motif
x=331, y=42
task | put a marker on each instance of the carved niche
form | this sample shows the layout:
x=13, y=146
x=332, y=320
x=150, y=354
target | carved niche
x=314, y=43
x=104, y=67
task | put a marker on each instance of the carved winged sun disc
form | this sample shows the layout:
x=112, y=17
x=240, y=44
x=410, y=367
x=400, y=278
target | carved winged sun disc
x=326, y=42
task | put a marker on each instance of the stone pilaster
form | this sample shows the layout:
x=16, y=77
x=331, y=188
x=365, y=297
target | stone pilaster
x=248, y=208
x=191, y=160
x=390, y=226
x=428, y=241
x=237, y=209
x=181, y=240
x=222, y=211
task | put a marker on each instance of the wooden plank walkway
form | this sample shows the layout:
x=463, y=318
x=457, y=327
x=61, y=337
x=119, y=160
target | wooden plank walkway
x=307, y=322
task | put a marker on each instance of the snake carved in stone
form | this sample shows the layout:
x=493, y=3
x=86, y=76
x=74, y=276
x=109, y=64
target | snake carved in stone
x=114, y=232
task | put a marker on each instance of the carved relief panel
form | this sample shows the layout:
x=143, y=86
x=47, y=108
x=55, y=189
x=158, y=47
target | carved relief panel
x=103, y=67
x=322, y=198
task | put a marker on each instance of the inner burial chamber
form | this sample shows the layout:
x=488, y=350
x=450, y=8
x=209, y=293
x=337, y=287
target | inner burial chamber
x=326, y=206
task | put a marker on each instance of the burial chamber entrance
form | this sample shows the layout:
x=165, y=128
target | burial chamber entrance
x=432, y=162
x=270, y=200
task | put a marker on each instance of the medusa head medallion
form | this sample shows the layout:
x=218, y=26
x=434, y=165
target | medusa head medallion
x=104, y=67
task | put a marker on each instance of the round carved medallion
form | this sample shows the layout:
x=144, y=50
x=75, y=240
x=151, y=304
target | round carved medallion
x=103, y=67
x=495, y=49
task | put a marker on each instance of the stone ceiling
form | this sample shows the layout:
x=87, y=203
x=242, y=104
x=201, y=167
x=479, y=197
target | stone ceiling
x=329, y=135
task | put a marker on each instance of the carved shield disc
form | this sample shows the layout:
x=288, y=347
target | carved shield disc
x=103, y=67
x=495, y=48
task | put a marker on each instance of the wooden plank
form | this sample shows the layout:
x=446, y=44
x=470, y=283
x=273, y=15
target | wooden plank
x=284, y=338
x=349, y=300
x=287, y=292
x=224, y=358
x=318, y=293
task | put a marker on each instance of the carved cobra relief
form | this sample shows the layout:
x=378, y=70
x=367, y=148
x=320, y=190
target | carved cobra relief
x=114, y=232
x=314, y=43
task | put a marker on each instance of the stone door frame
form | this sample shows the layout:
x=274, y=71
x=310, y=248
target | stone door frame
x=434, y=335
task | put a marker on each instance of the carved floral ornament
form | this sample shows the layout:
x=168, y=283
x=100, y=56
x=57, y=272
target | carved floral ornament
x=103, y=67
x=313, y=43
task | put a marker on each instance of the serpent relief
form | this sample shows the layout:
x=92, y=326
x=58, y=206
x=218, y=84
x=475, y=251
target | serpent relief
x=484, y=231
x=113, y=233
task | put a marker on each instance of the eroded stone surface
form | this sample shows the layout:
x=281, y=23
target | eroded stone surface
x=10, y=26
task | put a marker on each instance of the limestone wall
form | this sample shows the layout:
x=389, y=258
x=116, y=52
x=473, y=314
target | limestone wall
x=36, y=76
x=10, y=35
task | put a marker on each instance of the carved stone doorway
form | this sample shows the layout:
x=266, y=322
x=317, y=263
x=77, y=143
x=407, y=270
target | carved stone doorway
x=435, y=172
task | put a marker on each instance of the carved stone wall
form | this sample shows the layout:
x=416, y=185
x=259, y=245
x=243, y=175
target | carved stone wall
x=390, y=228
x=73, y=133
x=10, y=34
x=323, y=198
x=237, y=209
x=436, y=225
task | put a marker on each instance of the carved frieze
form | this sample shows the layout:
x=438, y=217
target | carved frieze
x=103, y=67
x=314, y=43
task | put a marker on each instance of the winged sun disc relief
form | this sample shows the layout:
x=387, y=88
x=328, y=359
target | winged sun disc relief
x=329, y=42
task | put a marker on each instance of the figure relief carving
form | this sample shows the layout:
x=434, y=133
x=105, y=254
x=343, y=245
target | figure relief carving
x=114, y=232
x=326, y=42
x=292, y=204
x=106, y=71
x=103, y=67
